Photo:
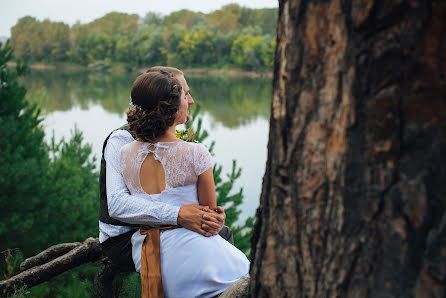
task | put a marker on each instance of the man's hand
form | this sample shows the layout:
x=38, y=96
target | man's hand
x=201, y=220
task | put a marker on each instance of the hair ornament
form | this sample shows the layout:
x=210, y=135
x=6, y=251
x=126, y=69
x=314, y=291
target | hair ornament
x=133, y=106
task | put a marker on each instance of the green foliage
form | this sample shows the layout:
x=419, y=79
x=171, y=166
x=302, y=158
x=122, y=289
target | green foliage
x=44, y=41
x=74, y=187
x=198, y=47
x=226, y=19
x=13, y=258
x=24, y=160
x=267, y=50
x=152, y=19
x=48, y=192
x=183, y=39
x=246, y=51
x=187, y=18
x=21, y=292
x=78, y=53
x=115, y=23
x=77, y=282
x=154, y=53
x=100, y=46
x=128, y=285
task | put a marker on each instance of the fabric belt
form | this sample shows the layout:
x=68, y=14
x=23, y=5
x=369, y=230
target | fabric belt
x=151, y=281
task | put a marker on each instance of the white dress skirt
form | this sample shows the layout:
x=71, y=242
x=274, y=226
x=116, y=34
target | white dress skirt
x=192, y=265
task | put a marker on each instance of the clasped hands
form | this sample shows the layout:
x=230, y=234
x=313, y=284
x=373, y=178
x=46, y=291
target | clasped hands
x=201, y=219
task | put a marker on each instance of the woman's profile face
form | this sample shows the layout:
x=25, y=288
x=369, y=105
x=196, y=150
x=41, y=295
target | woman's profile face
x=182, y=113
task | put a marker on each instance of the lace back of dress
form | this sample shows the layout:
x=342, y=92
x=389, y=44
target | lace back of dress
x=131, y=161
x=178, y=162
x=177, y=159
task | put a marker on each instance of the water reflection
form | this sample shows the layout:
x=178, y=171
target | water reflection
x=66, y=89
x=231, y=101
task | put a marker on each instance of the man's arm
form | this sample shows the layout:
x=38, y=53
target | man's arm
x=136, y=210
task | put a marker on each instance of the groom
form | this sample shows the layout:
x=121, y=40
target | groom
x=120, y=213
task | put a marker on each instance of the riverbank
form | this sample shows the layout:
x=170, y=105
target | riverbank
x=235, y=72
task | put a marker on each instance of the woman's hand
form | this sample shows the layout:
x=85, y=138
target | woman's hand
x=215, y=220
x=201, y=219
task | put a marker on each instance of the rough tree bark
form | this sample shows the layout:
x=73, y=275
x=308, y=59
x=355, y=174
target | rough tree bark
x=353, y=197
x=48, y=254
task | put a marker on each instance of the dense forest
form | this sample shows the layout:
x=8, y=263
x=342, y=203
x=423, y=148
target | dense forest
x=232, y=37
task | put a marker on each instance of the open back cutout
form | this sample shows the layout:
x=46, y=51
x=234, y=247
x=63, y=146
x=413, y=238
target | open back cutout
x=152, y=176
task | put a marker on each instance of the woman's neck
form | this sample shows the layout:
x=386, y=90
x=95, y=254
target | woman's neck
x=168, y=136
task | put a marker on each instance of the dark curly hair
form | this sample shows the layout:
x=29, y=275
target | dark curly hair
x=156, y=97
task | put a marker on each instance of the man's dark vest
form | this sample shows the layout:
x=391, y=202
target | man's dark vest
x=103, y=206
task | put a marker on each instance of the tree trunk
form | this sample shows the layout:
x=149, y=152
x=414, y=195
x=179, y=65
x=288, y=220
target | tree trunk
x=353, y=197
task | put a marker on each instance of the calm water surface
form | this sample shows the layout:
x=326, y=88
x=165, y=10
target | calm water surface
x=235, y=111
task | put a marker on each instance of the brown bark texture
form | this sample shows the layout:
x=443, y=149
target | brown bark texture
x=48, y=254
x=353, y=197
x=239, y=289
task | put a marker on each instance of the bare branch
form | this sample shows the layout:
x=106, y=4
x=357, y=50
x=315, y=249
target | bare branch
x=48, y=254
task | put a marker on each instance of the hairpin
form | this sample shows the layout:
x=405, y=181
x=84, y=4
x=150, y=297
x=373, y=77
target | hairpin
x=133, y=106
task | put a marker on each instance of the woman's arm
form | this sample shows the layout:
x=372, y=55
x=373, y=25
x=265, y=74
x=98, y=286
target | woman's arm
x=206, y=189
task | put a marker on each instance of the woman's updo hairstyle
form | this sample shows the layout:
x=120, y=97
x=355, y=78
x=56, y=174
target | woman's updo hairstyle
x=155, y=98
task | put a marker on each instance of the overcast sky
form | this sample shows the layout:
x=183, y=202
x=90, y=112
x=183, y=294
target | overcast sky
x=87, y=10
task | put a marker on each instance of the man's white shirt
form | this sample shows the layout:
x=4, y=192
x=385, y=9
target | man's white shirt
x=123, y=206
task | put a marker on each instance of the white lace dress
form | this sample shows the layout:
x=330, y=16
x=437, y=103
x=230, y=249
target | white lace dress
x=191, y=265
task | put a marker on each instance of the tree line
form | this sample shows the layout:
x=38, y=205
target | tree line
x=232, y=36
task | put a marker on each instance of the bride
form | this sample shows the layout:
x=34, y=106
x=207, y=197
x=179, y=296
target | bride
x=173, y=261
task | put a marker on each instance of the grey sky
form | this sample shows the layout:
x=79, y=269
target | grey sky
x=87, y=10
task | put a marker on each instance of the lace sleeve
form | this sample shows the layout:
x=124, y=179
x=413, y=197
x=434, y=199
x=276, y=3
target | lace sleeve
x=202, y=159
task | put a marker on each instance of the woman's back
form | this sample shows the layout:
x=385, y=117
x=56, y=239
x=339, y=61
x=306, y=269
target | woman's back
x=192, y=265
x=152, y=168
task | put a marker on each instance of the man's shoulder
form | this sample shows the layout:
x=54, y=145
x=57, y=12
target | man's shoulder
x=117, y=139
x=121, y=134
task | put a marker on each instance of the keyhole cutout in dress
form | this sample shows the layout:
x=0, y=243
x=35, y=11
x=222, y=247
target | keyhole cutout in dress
x=152, y=176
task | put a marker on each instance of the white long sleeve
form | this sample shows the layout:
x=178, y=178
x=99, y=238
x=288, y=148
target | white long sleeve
x=123, y=206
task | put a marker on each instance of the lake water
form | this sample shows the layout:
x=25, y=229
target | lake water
x=235, y=111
